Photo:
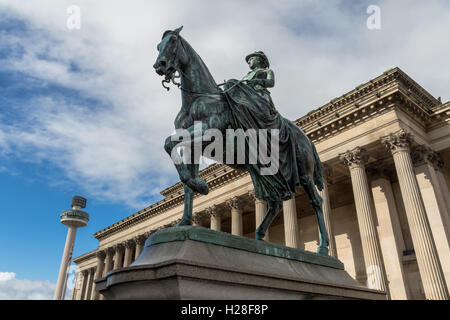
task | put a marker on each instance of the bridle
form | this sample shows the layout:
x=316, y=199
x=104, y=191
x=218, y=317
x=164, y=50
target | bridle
x=172, y=76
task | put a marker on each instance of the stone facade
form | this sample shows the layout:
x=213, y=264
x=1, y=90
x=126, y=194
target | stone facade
x=385, y=148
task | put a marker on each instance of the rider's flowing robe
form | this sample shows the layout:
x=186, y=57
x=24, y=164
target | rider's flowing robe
x=252, y=110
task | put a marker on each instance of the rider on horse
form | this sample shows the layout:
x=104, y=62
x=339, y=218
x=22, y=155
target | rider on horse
x=260, y=77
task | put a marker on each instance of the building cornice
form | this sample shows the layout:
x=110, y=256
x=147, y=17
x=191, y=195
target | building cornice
x=87, y=256
x=378, y=87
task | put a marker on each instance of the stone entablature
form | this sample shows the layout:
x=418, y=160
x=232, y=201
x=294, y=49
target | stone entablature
x=374, y=87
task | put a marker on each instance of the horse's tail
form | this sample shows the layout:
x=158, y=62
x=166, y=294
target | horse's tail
x=318, y=179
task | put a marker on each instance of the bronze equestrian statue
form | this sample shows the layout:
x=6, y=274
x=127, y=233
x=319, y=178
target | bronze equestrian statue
x=244, y=104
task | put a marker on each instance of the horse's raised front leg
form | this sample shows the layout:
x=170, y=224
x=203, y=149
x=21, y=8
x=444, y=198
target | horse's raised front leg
x=274, y=207
x=186, y=175
x=316, y=202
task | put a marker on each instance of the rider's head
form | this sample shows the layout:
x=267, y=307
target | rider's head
x=257, y=60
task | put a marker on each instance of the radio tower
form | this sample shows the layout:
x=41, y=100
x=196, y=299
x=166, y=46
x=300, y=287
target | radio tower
x=74, y=219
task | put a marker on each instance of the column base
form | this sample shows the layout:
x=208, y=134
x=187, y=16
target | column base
x=198, y=263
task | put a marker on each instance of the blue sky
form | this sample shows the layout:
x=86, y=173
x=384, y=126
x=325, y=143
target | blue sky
x=83, y=112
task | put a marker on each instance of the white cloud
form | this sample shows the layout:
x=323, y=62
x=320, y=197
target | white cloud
x=114, y=149
x=12, y=288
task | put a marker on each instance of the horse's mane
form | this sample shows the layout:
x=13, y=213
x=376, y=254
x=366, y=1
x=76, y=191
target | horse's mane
x=193, y=54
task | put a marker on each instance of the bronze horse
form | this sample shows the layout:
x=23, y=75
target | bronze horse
x=204, y=101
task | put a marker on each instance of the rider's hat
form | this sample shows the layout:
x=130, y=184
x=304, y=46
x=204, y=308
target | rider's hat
x=260, y=54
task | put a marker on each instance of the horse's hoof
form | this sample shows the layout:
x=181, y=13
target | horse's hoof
x=259, y=236
x=322, y=250
x=198, y=185
x=184, y=222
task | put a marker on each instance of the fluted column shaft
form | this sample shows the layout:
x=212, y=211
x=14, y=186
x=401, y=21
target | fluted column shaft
x=99, y=272
x=118, y=257
x=216, y=222
x=260, y=212
x=90, y=284
x=93, y=291
x=236, y=222
x=129, y=246
x=375, y=271
x=326, y=209
x=108, y=264
x=236, y=216
x=139, y=242
x=428, y=165
x=81, y=294
x=427, y=259
x=109, y=260
x=390, y=234
x=215, y=218
x=291, y=232
x=139, y=246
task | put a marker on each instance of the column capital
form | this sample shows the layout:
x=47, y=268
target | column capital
x=213, y=211
x=129, y=243
x=356, y=157
x=425, y=155
x=109, y=251
x=251, y=194
x=235, y=203
x=84, y=272
x=101, y=254
x=140, y=239
x=327, y=172
x=118, y=247
x=397, y=141
x=197, y=217
x=149, y=233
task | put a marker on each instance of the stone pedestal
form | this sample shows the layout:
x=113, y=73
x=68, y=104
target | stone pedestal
x=198, y=263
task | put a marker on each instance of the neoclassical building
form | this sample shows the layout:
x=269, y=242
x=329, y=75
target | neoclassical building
x=385, y=151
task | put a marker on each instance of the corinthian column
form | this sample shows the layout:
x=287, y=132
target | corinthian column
x=326, y=209
x=291, y=232
x=118, y=248
x=389, y=232
x=84, y=285
x=235, y=205
x=260, y=212
x=90, y=284
x=427, y=259
x=215, y=217
x=108, y=264
x=139, y=244
x=355, y=160
x=427, y=165
x=129, y=247
x=99, y=272
x=109, y=260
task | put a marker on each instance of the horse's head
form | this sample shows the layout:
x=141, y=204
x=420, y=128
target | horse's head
x=171, y=54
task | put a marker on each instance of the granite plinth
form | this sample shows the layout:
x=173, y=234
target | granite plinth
x=193, y=262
